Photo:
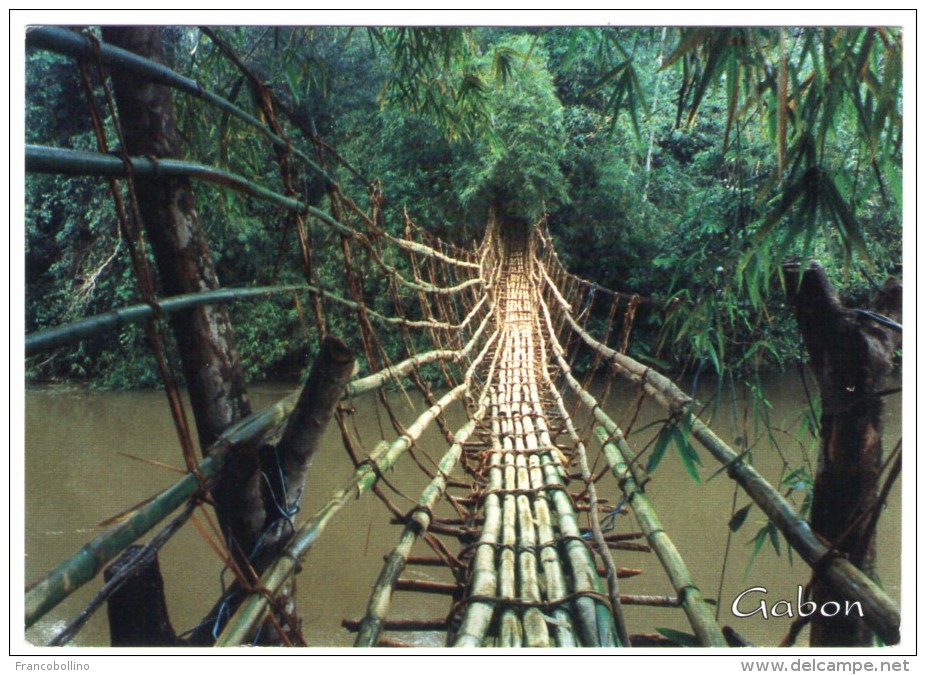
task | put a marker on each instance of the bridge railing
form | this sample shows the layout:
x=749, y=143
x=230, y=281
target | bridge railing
x=880, y=611
x=449, y=308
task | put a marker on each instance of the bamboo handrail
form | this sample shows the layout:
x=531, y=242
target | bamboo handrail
x=702, y=619
x=84, y=565
x=93, y=556
x=247, y=619
x=83, y=47
x=45, y=159
x=49, y=338
x=880, y=612
x=419, y=521
x=57, y=336
x=603, y=552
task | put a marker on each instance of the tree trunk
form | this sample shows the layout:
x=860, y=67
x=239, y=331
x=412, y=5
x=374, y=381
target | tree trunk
x=137, y=610
x=264, y=532
x=204, y=334
x=851, y=353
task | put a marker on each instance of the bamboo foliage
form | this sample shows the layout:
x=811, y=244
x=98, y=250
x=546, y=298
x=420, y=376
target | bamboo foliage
x=82, y=47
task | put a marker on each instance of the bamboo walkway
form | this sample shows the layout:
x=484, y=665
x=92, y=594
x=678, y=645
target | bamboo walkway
x=526, y=573
x=511, y=512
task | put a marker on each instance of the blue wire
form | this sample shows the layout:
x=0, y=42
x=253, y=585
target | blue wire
x=610, y=520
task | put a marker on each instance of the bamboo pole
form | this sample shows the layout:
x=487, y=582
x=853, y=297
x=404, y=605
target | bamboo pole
x=252, y=611
x=93, y=556
x=523, y=415
x=81, y=47
x=483, y=574
x=594, y=618
x=483, y=582
x=378, y=607
x=692, y=601
x=49, y=338
x=420, y=284
x=553, y=572
x=44, y=159
x=429, y=252
x=511, y=630
x=536, y=630
x=880, y=612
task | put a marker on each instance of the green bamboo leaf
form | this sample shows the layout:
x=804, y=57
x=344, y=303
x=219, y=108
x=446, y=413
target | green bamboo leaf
x=687, y=453
x=782, y=103
x=717, y=56
x=773, y=537
x=793, y=191
x=660, y=363
x=659, y=450
x=613, y=74
x=849, y=226
x=289, y=75
x=736, y=522
x=758, y=542
x=715, y=359
x=861, y=64
x=887, y=102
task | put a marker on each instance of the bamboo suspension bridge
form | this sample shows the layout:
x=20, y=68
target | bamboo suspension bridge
x=510, y=509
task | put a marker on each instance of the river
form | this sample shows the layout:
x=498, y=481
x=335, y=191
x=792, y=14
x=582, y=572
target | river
x=83, y=464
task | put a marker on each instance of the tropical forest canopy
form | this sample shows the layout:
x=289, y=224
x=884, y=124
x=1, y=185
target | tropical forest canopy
x=681, y=164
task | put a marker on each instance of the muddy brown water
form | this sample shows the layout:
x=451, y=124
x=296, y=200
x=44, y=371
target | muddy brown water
x=82, y=466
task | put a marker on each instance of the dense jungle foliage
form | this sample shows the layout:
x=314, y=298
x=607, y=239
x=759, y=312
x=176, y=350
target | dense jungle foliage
x=681, y=164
